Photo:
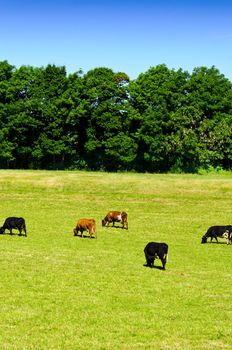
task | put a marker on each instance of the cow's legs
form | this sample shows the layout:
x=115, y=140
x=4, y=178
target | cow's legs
x=214, y=236
x=163, y=263
x=230, y=238
x=150, y=261
x=125, y=225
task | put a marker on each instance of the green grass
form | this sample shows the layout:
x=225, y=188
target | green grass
x=58, y=291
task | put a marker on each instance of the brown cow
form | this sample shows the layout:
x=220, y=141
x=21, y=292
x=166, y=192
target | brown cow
x=88, y=225
x=116, y=216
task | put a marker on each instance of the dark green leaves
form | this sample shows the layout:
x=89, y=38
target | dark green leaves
x=165, y=120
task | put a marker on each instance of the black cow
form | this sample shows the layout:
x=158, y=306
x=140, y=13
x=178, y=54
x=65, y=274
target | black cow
x=155, y=250
x=218, y=231
x=14, y=223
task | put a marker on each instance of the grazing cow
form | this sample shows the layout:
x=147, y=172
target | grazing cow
x=155, y=250
x=218, y=231
x=116, y=216
x=14, y=223
x=88, y=225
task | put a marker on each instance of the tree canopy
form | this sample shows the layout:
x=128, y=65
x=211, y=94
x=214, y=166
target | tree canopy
x=165, y=120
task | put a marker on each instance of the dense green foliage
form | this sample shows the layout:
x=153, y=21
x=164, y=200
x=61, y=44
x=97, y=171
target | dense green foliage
x=60, y=292
x=165, y=120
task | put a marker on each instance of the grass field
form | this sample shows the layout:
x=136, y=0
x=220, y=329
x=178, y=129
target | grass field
x=63, y=292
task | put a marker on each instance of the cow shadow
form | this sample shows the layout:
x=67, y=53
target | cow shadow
x=154, y=267
x=85, y=236
x=13, y=234
x=122, y=228
x=216, y=242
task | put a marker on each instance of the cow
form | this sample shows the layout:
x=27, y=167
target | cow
x=116, y=216
x=88, y=225
x=155, y=250
x=218, y=231
x=14, y=223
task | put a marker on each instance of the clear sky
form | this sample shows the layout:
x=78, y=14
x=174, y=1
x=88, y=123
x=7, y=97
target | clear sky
x=125, y=35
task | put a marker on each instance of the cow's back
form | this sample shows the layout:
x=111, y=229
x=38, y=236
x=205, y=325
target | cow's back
x=219, y=230
x=113, y=215
x=14, y=222
x=153, y=249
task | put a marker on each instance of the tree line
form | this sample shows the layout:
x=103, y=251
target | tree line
x=165, y=120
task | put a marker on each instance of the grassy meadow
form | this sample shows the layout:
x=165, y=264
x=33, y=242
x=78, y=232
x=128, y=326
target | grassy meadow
x=63, y=292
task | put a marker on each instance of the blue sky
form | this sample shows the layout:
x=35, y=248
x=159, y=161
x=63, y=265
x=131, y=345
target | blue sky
x=128, y=36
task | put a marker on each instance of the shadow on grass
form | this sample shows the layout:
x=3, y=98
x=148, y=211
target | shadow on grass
x=13, y=234
x=215, y=243
x=154, y=267
x=84, y=236
x=116, y=227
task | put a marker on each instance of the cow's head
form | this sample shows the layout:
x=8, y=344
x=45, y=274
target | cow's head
x=203, y=239
x=104, y=222
x=1, y=230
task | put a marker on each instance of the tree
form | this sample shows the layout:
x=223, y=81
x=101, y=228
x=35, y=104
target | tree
x=49, y=107
x=211, y=93
x=155, y=95
x=104, y=109
x=165, y=120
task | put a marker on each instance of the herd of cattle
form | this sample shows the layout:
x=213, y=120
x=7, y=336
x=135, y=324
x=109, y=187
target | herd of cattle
x=152, y=251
